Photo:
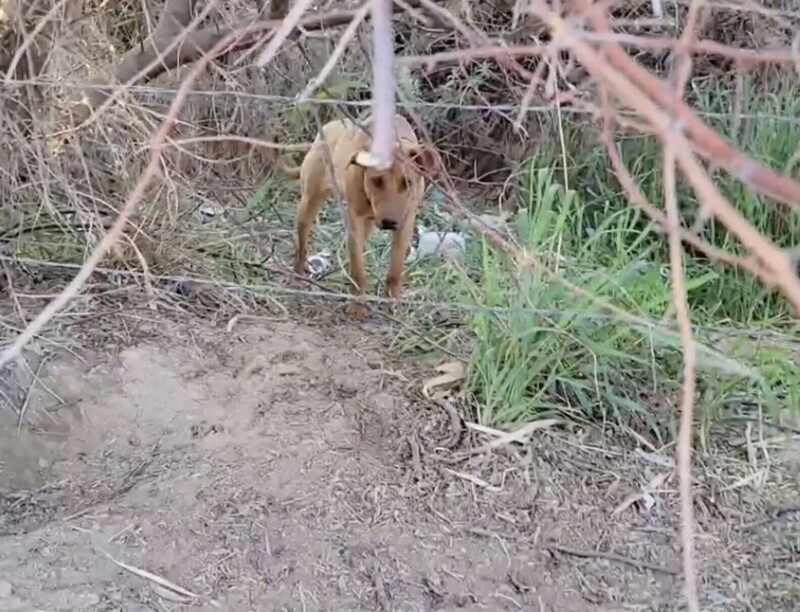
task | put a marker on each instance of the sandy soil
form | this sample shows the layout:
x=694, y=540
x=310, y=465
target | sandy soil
x=281, y=466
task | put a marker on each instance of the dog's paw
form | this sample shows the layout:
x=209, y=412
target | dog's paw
x=356, y=310
x=296, y=279
x=393, y=287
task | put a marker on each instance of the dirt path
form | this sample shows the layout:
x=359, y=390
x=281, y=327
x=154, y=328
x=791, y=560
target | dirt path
x=270, y=469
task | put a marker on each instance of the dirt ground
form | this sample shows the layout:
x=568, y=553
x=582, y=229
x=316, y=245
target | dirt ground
x=278, y=465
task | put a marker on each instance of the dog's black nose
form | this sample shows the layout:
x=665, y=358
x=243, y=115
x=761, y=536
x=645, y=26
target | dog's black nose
x=388, y=224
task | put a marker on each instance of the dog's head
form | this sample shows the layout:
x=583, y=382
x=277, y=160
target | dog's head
x=395, y=192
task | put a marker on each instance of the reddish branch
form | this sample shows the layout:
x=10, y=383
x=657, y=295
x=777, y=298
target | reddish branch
x=707, y=142
x=776, y=265
x=698, y=47
x=704, y=139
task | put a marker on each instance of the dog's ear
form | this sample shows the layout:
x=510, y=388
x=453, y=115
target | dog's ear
x=362, y=159
x=425, y=157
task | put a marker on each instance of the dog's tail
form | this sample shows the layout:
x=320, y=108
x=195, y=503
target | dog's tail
x=281, y=166
x=285, y=169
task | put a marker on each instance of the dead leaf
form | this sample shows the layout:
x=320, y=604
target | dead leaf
x=169, y=594
x=627, y=503
x=233, y=321
x=520, y=435
x=473, y=479
x=155, y=580
x=657, y=482
x=645, y=495
x=451, y=372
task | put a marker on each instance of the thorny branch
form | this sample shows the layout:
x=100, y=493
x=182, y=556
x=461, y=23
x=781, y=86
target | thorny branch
x=777, y=264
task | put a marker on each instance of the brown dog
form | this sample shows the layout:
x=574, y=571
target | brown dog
x=387, y=199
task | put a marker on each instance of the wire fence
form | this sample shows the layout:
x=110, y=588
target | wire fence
x=655, y=330
x=169, y=92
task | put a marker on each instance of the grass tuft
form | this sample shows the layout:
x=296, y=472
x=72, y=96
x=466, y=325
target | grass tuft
x=540, y=349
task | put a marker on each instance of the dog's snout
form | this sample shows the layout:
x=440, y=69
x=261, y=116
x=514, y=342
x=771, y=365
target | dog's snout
x=388, y=224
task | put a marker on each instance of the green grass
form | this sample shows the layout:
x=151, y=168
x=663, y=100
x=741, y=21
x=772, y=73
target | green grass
x=535, y=346
x=540, y=349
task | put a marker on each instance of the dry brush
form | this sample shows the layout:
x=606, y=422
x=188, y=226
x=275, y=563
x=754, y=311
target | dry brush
x=572, y=55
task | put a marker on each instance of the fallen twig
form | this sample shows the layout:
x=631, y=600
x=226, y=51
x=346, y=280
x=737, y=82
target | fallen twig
x=158, y=580
x=596, y=554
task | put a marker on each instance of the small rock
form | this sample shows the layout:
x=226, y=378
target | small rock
x=207, y=213
x=288, y=369
x=5, y=589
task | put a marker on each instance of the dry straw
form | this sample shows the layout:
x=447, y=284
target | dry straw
x=581, y=28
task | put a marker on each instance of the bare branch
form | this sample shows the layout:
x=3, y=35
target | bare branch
x=684, y=445
x=637, y=197
x=708, y=143
x=345, y=40
x=285, y=28
x=682, y=68
x=141, y=65
x=663, y=121
x=383, y=84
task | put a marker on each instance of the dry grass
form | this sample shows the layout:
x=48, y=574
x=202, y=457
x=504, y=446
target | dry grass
x=115, y=174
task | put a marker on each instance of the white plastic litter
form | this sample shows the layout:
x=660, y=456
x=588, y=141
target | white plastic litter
x=319, y=264
x=433, y=243
x=496, y=222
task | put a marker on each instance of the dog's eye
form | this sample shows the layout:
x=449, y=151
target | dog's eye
x=378, y=182
x=403, y=183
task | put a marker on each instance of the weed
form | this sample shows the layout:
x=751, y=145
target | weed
x=552, y=351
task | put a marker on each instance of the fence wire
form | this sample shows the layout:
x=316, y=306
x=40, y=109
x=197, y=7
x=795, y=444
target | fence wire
x=648, y=326
x=365, y=104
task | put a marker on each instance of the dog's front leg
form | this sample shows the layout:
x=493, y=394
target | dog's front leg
x=357, y=235
x=400, y=241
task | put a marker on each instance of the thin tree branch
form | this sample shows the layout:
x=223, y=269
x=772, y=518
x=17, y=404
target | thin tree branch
x=769, y=254
x=707, y=142
x=684, y=443
x=285, y=28
x=334, y=58
x=142, y=65
x=383, y=85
